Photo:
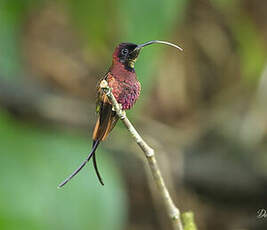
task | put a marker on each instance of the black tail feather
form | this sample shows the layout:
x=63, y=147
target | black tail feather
x=96, y=170
x=92, y=153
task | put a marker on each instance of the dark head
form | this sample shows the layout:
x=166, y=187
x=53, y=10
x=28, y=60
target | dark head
x=127, y=53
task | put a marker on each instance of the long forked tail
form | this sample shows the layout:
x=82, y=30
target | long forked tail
x=95, y=166
x=92, y=154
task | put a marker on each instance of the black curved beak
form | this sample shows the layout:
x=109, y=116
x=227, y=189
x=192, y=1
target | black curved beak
x=157, y=42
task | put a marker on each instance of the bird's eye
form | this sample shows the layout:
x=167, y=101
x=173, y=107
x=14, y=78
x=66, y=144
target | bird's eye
x=124, y=51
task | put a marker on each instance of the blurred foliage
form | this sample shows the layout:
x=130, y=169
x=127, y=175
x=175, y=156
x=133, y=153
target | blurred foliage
x=161, y=17
x=12, y=18
x=251, y=47
x=95, y=20
x=188, y=220
x=251, y=44
x=107, y=22
x=11, y=14
x=38, y=159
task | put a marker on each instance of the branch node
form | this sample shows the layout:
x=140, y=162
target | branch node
x=122, y=114
x=150, y=153
x=175, y=214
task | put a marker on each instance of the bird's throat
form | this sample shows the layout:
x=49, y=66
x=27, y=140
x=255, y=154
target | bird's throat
x=129, y=65
x=126, y=67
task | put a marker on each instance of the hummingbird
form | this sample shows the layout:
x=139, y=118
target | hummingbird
x=122, y=79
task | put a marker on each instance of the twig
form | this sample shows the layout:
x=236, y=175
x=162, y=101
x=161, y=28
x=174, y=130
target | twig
x=172, y=210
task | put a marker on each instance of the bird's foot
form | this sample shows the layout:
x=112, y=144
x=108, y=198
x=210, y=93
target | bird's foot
x=120, y=106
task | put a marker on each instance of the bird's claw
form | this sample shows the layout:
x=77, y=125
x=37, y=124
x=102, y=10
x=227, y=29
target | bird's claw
x=120, y=106
x=104, y=84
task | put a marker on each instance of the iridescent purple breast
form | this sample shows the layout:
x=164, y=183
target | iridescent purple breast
x=126, y=89
x=128, y=94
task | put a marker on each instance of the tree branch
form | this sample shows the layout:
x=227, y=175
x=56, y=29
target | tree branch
x=172, y=210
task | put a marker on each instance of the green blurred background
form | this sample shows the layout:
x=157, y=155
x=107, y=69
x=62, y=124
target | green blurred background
x=203, y=110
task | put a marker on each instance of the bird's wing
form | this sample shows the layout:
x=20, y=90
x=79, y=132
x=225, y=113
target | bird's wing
x=107, y=118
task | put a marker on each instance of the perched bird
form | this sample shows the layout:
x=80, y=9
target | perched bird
x=126, y=88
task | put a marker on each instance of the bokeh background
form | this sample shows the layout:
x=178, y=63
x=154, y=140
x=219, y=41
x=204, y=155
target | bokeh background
x=203, y=110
